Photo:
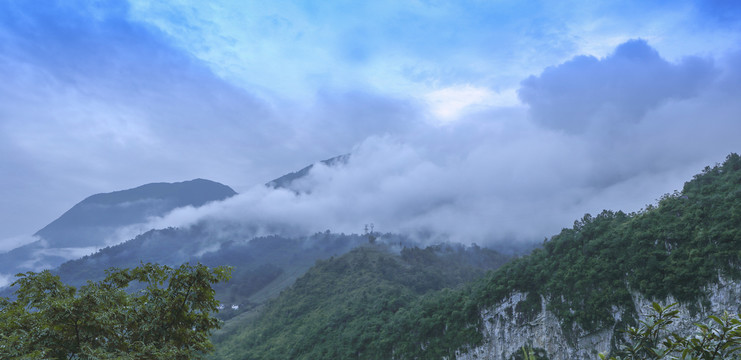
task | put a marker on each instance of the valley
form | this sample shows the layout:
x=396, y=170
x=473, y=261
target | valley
x=374, y=295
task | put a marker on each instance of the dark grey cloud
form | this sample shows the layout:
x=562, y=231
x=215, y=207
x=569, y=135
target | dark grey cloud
x=585, y=92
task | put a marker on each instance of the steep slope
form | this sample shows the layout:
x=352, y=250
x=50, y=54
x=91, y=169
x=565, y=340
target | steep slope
x=339, y=309
x=88, y=224
x=288, y=181
x=573, y=295
x=263, y=266
x=569, y=298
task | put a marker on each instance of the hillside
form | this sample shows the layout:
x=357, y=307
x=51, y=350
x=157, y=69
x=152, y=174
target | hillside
x=340, y=308
x=89, y=224
x=588, y=274
x=590, y=279
x=263, y=266
x=288, y=181
x=119, y=208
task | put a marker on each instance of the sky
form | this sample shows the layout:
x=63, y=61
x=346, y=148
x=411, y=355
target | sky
x=479, y=121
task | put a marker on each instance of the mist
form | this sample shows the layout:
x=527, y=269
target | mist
x=515, y=176
x=489, y=123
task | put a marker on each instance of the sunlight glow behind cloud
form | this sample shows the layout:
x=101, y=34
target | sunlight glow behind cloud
x=450, y=103
x=616, y=98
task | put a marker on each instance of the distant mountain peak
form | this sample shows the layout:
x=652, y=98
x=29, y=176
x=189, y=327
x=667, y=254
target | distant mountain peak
x=134, y=205
x=285, y=181
x=92, y=222
x=194, y=192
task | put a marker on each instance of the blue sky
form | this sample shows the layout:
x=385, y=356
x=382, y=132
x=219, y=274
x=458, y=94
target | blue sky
x=519, y=109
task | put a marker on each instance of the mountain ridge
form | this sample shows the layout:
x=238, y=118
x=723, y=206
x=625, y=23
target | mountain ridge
x=287, y=180
x=86, y=225
x=154, y=199
x=588, y=279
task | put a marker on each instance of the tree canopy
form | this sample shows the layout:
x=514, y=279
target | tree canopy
x=676, y=248
x=151, y=311
x=718, y=338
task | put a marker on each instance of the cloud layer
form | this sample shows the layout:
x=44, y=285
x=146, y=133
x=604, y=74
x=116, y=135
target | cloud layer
x=102, y=96
x=505, y=178
x=622, y=87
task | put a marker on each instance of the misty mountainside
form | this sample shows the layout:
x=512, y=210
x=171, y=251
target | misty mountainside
x=578, y=290
x=262, y=266
x=268, y=263
x=291, y=180
x=341, y=307
x=125, y=207
x=92, y=222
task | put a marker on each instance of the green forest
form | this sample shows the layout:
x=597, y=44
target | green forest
x=384, y=297
x=343, y=306
x=170, y=316
x=373, y=304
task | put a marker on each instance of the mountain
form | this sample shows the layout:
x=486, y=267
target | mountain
x=354, y=296
x=338, y=309
x=103, y=219
x=289, y=180
x=90, y=223
x=572, y=297
x=262, y=266
x=568, y=299
x=86, y=222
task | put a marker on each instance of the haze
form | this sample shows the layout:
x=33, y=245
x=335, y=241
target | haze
x=489, y=122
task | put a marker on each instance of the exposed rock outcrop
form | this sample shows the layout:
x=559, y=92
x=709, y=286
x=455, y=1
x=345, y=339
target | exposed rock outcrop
x=506, y=330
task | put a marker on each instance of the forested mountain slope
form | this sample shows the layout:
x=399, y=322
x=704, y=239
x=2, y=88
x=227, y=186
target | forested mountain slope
x=590, y=273
x=342, y=307
x=589, y=278
x=262, y=266
x=597, y=275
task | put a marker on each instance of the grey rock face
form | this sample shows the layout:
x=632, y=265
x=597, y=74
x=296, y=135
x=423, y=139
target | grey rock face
x=506, y=331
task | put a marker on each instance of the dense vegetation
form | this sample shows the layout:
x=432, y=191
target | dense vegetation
x=343, y=307
x=263, y=266
x=674, y=248
x=171, y=317
x=718, y=338
x=378, y=300
x=362, y=306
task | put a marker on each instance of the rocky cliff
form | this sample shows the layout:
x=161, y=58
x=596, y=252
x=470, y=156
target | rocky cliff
x=506, y=330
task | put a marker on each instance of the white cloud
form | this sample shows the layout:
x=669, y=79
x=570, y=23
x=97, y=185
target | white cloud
x=450, y=103
x=6, y=279
x=493, y=177
x=13, y=242
x=156, y=92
